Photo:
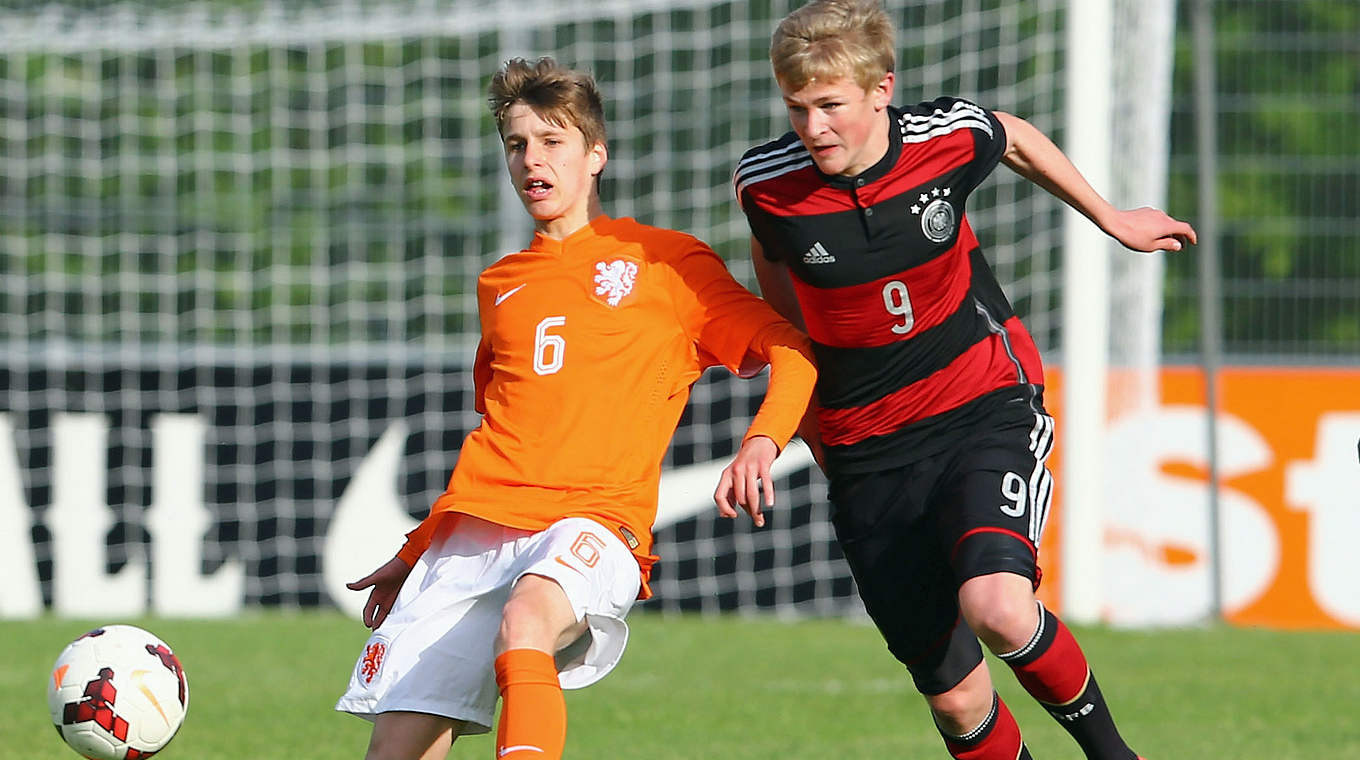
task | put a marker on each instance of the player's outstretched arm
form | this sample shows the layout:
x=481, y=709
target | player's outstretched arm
x=386, y=583
x=1033, y=156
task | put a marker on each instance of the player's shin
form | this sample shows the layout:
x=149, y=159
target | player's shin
x=997, y=737
x=1054, y=671
x=533, y=722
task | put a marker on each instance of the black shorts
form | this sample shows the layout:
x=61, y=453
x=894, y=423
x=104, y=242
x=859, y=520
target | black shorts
x=912, y=535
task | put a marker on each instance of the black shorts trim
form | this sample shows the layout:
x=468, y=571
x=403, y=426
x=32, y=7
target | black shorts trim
x=980, y=552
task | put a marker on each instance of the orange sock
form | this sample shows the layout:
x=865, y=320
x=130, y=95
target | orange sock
x=533, y=724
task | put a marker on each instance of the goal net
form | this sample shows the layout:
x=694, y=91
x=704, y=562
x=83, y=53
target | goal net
x=239, y=243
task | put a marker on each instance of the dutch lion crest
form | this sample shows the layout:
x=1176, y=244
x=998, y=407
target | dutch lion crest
x=615, y=280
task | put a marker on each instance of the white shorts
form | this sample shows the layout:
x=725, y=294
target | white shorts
x=433, y=654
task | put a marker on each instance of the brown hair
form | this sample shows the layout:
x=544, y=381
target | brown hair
x=833, y=39
x=560, y=95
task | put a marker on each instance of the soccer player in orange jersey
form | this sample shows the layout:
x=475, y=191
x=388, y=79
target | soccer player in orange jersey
x=930, y=408
x=517, y=583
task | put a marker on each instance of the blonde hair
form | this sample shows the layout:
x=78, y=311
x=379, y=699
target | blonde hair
x=827, y=40
x=559, y=95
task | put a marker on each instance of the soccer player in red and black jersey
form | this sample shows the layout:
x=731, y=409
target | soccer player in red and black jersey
x=930, y=392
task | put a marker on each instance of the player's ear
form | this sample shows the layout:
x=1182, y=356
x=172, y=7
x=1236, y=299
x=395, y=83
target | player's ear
x=599, y=156
x=882, y=93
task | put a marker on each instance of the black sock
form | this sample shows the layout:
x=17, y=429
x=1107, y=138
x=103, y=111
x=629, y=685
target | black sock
x=1088, y=720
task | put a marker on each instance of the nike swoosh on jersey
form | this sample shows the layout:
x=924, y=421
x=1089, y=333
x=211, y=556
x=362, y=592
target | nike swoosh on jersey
x=502, y=296
x=503, y=751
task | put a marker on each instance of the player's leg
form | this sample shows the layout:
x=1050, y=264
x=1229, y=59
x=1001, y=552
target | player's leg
x=411, y=736
x=426, y=675
x=1001, y=609
x=975, y=723
x=906, y=583
x=1053, y=669
x=533, y=711
x=577, y=583
x=1001, y=488
x=539, y=616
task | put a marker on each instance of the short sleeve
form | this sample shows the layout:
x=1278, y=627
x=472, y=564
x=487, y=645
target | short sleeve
x=753, y=168
x=948, y=115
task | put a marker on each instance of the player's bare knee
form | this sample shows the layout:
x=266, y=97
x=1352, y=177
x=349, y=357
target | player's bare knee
x=523, y=625
x=1004, y=620
x=960, y=709
x=535, y=616
x=950, y=704
x=997, y=599
x=1000, y=609
x=963, y=707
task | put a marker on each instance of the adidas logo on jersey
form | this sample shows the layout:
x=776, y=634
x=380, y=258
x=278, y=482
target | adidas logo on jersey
x=818, y=254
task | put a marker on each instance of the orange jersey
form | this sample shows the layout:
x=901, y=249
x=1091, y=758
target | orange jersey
x=589, y=348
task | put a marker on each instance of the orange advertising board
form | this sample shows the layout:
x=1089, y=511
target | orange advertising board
x=1289, y=501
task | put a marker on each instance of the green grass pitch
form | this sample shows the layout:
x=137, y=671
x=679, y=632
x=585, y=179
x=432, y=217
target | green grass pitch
x=740, y=688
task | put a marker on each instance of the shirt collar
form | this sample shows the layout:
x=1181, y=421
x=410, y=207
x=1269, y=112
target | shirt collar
x=592, y=229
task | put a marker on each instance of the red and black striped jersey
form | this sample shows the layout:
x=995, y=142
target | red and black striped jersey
x=914, y=338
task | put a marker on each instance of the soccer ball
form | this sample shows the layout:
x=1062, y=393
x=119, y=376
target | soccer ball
x=117, y=693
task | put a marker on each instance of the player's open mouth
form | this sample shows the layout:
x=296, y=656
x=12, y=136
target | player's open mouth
x=537, y=189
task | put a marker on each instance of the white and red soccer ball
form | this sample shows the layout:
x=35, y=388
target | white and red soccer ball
x=117, y=693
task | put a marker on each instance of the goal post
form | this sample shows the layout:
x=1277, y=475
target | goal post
x=1086, y=313
x=1118, y=108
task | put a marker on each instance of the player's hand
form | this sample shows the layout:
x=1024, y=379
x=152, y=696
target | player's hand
x=1148, y=229
x=743, y=481
x=386, y=582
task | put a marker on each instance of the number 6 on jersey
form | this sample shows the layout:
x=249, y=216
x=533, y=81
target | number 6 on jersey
x=549, y=349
